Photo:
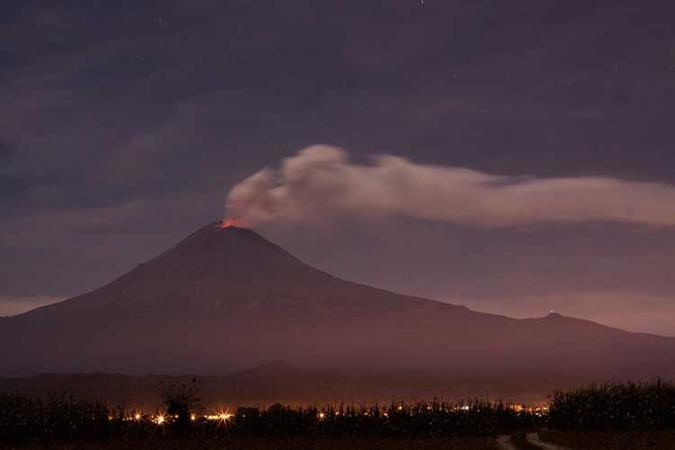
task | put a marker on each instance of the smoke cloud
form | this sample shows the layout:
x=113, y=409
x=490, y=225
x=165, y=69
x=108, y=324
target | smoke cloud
x=321, y=183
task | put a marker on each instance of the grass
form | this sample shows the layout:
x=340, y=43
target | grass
x=612, y=440
x=459, y=443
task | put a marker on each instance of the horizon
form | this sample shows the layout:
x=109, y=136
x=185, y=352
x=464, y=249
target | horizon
x=233, y=223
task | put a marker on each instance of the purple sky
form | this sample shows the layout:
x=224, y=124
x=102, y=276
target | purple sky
x=123, y=126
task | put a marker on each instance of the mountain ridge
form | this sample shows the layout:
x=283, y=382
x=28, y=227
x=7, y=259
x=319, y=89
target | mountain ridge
x=224, y=299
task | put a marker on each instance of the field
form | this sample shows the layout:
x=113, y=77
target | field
x=664, y=440
x=612, y=440
x=465, y=443
x=627, y=416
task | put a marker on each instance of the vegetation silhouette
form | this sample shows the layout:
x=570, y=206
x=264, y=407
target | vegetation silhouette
x=617, y=406
x=181, y=403
x=645, y=407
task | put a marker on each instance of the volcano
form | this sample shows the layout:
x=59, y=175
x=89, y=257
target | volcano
x=227, y=299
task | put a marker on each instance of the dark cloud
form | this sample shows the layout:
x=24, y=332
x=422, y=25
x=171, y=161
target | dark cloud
x=124, y=124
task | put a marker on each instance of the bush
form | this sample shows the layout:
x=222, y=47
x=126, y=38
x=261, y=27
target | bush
x=180, y=400
x=619, y=406
x=56, y=418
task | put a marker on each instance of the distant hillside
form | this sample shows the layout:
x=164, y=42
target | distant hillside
x=226, y=299
x=277, y=382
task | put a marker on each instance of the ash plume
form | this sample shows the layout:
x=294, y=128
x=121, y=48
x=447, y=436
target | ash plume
x=320, y=183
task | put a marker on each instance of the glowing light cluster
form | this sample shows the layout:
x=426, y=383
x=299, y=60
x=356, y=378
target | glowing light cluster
x=222, y=416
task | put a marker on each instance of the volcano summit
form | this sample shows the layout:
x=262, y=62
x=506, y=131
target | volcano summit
x=225, y=299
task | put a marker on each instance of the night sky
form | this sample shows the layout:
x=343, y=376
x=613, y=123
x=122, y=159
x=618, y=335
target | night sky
x=124, y=125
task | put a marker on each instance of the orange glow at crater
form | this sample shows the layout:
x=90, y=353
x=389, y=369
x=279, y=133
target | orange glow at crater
x=229, y=222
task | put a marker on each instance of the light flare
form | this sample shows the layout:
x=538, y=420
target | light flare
x=223, y=416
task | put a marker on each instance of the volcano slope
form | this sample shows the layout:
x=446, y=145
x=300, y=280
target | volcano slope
x=225, y=299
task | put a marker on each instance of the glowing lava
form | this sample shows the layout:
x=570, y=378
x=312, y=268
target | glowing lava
x=229, y=222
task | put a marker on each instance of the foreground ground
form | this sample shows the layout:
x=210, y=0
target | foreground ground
x=664, y=440
x=277, y=444
x=658, y=440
